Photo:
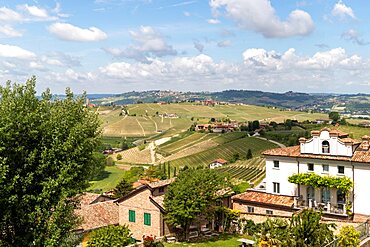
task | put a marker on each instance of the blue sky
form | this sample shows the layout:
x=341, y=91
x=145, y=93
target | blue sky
x=113, y=46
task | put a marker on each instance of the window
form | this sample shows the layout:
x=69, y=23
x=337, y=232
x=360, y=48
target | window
x=340, y=169
x=341, y=196
x=325, y=147
x=147, y=219
x=325, y=195
x=250, y=209
x=310, y=167
x=325, y=168
x=276, y=164
x=161, y=189
x=131, y=216
x=270, y=212
x=276, y=187
x=310, y=193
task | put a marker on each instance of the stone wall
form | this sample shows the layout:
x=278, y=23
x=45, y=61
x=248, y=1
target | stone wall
x=141, y=204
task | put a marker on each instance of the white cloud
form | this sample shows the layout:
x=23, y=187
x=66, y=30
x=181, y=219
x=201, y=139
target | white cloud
x=261, y=69
x=260, y=16
x=11, y=51
x=199, y=46
x=35, y=11
x=9, y=15
x=68, y=32
x=213, y=21
x=329, y=59
x=35, y=65
x=147, y=43
x=354, y=36
x=342, y=11
x=9, y=31
x=61, y=60
x=224, y=43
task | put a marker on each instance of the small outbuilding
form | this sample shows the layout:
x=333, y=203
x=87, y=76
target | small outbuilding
x=217, y=163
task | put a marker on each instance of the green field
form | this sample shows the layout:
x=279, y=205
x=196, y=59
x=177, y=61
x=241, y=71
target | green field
x=225, y=151
x=222, y=241
x=108, y=179
x=147, y=123
x=248, y=170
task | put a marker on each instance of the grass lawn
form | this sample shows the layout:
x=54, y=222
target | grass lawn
x=223, y=241
x=108, y=179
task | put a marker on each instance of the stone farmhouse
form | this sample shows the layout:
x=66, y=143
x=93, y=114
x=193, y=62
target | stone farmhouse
x=142, y=210
x=217, y=163
x=329, y=154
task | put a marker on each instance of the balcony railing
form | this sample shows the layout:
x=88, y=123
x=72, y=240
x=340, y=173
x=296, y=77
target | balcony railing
x=338, y=209
x=362, y=228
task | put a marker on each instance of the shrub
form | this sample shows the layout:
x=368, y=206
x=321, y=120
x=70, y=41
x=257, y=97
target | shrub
x=110, y=236
x=349, y=237
x=119, y=156
x=110, y=161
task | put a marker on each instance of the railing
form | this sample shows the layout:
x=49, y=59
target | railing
x=362, y=228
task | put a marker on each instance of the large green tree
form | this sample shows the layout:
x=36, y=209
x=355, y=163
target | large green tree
x=122, y=188
x=191, y=196
x=46, y=158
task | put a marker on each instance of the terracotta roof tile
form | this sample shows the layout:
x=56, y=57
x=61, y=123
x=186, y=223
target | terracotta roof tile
x=265, y=198
x=87, y=198
x=221, y=161
x=159, y=200
x=98, y=215
x=161, y=183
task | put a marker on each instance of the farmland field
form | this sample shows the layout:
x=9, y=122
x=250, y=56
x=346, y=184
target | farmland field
x=248, y=170
x=144, y=122
x=225, y=151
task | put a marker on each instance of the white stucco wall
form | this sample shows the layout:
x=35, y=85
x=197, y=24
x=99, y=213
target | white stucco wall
x=287, y=167
x=362, y=188
x=314, y=146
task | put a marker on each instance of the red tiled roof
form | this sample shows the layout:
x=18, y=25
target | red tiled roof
x=264, y=198
x=87, y=198
x=98, y=215
x=359, y=155
x=158, y=201
x=221, y=161
x=161, y=183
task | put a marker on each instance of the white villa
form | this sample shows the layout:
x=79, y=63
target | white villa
x=330, y=154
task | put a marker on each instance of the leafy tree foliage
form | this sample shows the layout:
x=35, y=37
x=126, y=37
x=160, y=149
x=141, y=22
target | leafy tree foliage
x=192, y=196
x=306, y=229
x=249, y=154
x=334, y=116
x=110, y=236
x=122, y=188
x=156, y=172
x=303, y=230
x=348, y=237
x=46, y=159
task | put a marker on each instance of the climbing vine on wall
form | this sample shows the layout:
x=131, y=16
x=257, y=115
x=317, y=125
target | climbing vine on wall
x=317, y=181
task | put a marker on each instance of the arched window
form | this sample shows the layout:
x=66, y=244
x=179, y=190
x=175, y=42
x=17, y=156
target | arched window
x=325, y=147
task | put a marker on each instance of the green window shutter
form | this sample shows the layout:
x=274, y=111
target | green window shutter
x=147, y=219
x=131, y=216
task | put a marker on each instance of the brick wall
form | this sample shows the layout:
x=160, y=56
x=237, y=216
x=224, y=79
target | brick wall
x=243, y=207
x=141, y=204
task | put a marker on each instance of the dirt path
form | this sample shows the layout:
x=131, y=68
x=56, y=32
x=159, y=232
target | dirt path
x=156, y=126
x=275, y=142
x=141, y=127
x=151, y=147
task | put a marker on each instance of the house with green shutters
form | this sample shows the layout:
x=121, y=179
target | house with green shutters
x=142, y=210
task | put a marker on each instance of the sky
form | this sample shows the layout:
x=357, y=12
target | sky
x=115, y=46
